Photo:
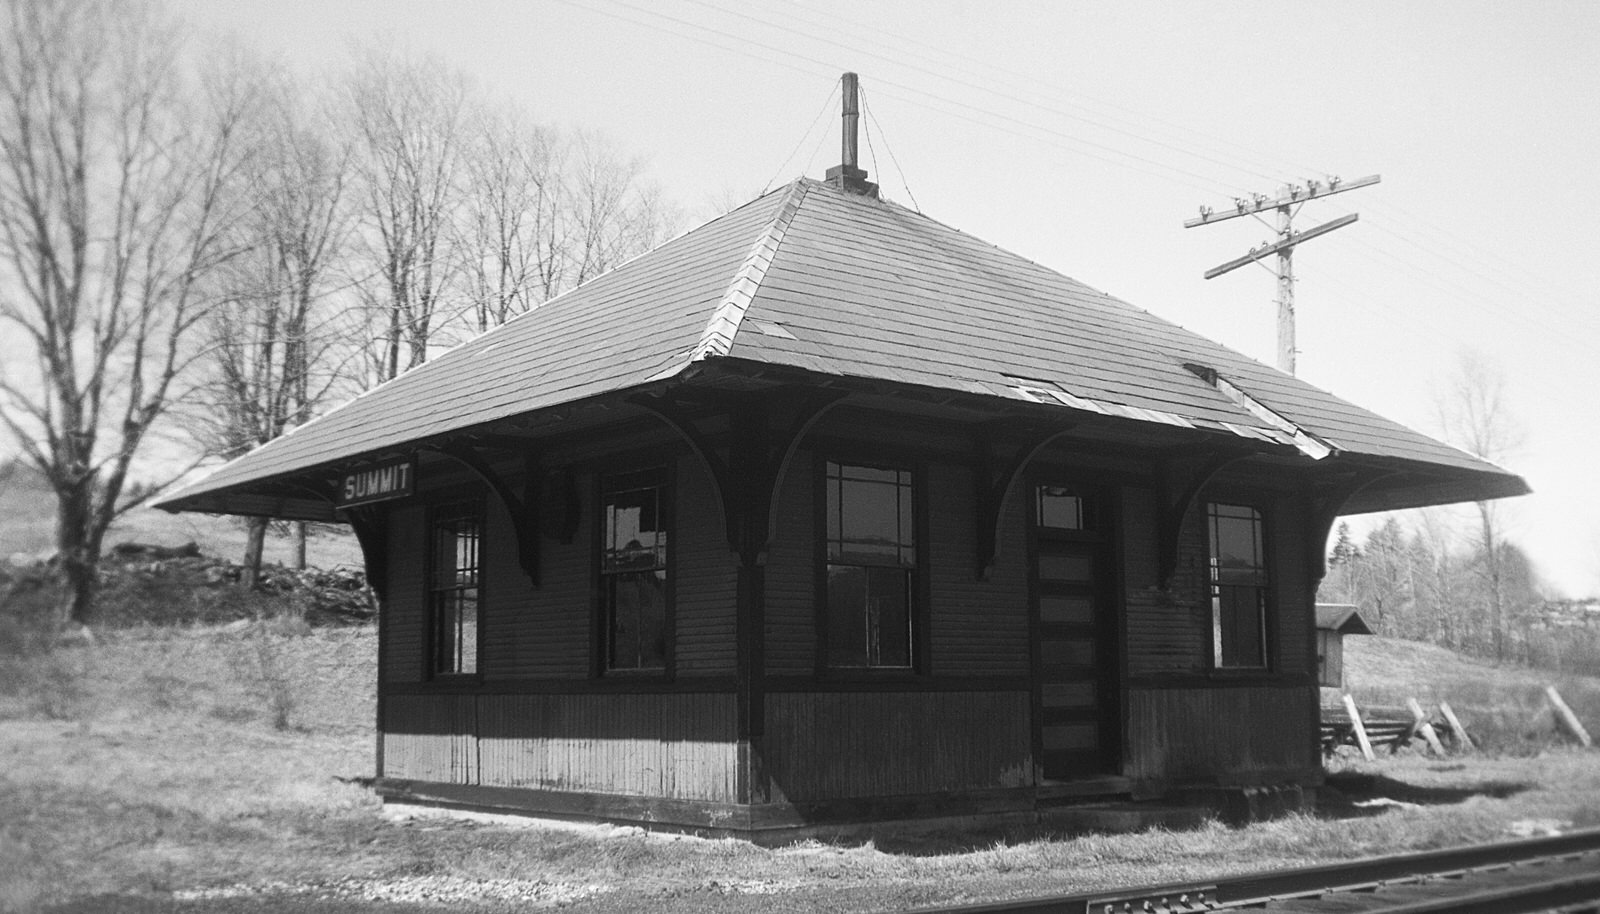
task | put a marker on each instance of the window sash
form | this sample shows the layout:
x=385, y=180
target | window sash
x=1238, y=587
x=455, y=596
x=869, y=567
x=634, y=584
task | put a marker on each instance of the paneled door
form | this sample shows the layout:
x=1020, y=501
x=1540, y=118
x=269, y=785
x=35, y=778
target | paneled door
x=1075, y=713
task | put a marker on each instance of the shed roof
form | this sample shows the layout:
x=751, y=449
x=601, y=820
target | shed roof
x=1342, y=618
x=833, y=284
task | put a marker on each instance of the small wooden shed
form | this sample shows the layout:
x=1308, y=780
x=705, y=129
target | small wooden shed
x=826, y=512
x=1334, y=621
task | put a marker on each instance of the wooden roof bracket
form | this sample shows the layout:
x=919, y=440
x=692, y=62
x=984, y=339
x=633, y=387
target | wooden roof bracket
x=1328, y=497
x=994, y=484
x=1182, y=479
x=524, y=509
x=373, y=535
x=746, y=480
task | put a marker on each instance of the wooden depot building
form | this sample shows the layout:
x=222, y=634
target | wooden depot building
x=825, y=512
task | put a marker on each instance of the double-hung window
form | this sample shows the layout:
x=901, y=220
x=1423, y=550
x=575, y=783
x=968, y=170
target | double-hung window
x=870, y=566
x=455, y=597
x=1238, y=587
x=634, y=592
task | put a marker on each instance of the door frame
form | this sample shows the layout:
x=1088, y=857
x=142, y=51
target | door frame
x=1111, y=660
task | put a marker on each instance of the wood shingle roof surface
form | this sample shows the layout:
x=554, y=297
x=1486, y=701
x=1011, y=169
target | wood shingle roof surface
x=813, y=278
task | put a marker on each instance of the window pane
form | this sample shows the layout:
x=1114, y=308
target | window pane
x=1236, y=538
x=1060, y=508
x=454, y=598
x=467, y=629
x=634, y=538
x=870, y=518
x=637, y=604
x=1238, y=629
x=869, y=617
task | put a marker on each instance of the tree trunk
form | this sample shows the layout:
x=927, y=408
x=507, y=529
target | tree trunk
x=253, y=546
x=77, y=551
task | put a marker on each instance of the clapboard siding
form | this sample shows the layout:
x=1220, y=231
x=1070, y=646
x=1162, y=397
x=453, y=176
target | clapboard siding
x=1167, y=630
x=401, y=624
x=705, y=588
x=791, y=575
x=1228, y=736
x=1294, y=595
x=543, y=632
x=843, y=745
x=674, y=746
x=978, y=628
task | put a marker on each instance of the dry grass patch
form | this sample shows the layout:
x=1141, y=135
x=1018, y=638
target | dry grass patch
x=166, y=771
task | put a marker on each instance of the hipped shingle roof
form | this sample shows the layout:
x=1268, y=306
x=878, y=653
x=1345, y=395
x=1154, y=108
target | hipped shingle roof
x=816, y=279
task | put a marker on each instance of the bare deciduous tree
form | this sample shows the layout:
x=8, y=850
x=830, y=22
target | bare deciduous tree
x=112, y=166
x=543, y=213
x=510, y=217
x=612, y=213
x=271, y=356
x=1475, y=417
x=407, y=117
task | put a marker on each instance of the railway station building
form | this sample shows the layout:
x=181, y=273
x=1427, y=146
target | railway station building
x=826, y=513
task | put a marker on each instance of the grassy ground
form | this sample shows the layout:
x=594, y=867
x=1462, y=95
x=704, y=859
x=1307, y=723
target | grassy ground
x=220, y=770
x=1505, y=709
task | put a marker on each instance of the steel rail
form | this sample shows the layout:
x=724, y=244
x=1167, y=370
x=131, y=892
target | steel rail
x=1256, y=889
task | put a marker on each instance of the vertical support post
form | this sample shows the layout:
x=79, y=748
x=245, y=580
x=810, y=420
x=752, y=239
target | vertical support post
x=847, y=139
x=1462, y=739
x=1286, y=356
x=1360, y=728
x=1567, y=718
x=751, y=474
x=1420, y=721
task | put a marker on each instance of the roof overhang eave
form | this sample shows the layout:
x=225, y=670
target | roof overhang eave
x=263, y=496
x=1436, y=488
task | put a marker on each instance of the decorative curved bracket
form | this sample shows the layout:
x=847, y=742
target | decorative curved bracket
x=1328, y=498
x=524, y=509
x=994, y=485
x=758, y=454
x=1182, y=479
x=373, y=536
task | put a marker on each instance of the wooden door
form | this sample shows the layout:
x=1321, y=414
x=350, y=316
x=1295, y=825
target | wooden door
x=1075, y=669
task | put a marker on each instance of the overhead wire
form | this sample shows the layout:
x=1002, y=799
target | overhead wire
x=814, y=121
x=1035, y=132
x=873, y=118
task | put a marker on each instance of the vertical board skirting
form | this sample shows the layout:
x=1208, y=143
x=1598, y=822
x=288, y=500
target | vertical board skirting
x=678, y=746
x=430, y=738
x=1221, y=735
x=842, y=745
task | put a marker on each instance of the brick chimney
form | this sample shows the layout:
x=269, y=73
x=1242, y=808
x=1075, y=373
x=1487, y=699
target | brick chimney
x=847, y=175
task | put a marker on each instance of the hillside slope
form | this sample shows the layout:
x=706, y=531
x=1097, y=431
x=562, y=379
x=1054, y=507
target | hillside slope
x=1505, y=705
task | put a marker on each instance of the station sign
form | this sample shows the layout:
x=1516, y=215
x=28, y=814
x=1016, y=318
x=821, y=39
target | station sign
x=377, y=482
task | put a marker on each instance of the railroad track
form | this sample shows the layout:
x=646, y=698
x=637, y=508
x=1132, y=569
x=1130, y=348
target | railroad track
x=1560, y=873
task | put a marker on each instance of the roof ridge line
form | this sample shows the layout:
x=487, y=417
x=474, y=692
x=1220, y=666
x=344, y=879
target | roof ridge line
x=717, y=340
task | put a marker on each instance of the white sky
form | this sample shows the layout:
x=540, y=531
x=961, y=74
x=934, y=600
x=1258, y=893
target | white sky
x=1081, y=135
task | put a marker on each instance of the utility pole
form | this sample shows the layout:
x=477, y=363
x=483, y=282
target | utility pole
x=1287, y=203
